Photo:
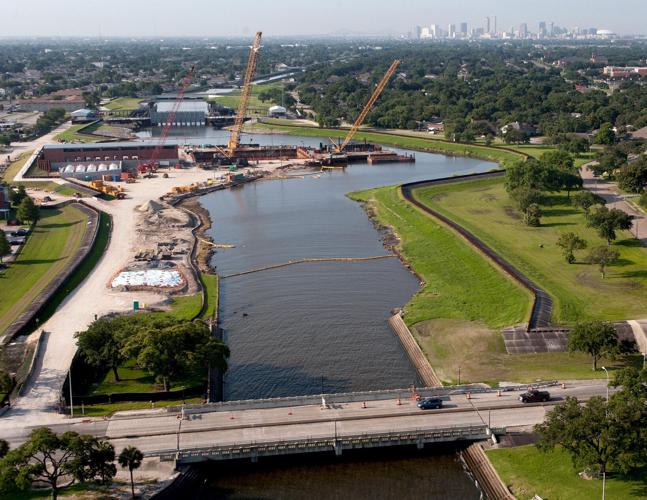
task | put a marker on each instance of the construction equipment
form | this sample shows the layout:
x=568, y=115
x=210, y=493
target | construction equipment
x=369, y=105
x=151, y=165
x=117, y=192
x=234, y=140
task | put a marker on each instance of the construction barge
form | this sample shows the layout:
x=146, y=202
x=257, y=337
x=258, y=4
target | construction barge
x=211, y=156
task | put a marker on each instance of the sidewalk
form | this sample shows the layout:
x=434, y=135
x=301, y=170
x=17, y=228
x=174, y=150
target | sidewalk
x=615, y=199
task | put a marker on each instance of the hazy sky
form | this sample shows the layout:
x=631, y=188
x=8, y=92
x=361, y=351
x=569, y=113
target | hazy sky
x=291, y=17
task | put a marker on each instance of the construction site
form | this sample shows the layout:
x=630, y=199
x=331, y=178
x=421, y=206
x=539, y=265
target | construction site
x=98, y=164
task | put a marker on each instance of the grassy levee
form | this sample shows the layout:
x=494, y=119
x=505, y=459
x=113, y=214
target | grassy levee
x=255, y=105
x=110, y=408
x=484, y=208
x=490, y=153
x=73, y=134
x=465, y=301
x=54, y=241
x=83, y=270
x=528, y=472
x=15, y=167
x=123, y=104
x=448, y=267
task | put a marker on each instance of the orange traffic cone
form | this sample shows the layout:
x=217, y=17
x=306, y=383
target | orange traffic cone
x=363, y=404
x=399, y=402
x=469, y=396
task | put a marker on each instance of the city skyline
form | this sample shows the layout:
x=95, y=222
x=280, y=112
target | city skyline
x=204, y=18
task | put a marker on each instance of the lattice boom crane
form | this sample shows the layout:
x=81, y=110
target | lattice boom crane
x=234, y=140
x=184, y=85
x=369, y=105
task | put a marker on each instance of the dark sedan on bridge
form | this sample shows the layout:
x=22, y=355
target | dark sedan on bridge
x=430, y=404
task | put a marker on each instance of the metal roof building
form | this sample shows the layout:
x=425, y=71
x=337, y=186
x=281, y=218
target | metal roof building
x=190, y=113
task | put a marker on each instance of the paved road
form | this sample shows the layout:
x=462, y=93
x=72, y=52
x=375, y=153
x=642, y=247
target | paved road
x=615, y=199
x=157, y=431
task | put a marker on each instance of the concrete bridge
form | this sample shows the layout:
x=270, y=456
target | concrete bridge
x=260, y=428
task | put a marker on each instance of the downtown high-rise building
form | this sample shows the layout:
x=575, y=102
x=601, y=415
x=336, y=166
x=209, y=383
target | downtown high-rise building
x=523, y=30
x=487, y=25
x=463, y=29
x=451, y=31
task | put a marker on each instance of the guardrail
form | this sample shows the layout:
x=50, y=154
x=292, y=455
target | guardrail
x=334, y=442
x=349, y=397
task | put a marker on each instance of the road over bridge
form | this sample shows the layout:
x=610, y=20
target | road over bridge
x=297, y=425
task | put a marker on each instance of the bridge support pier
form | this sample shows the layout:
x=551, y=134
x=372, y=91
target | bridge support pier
x=420, y=444
x=254, y=456
x=338, y=449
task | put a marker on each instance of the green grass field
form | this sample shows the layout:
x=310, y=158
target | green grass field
x=134, y=379
x=15, y=167
x=188, y=306
x=457, y=315
x=110, y=408
x=411, y=142
x=55, y=240
x=255, y=106
x=528, y=472
x=484, y=208
x=123, y=104
x=72, y=135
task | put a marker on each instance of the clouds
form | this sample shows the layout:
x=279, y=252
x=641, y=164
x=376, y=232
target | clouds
x=291, y=17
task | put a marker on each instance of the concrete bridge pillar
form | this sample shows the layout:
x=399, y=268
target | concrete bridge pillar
x=338, y=449
x=420, y=444
x=254, y=456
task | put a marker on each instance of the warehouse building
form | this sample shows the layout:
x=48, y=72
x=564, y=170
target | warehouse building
x=56, y=157
x=189, y=113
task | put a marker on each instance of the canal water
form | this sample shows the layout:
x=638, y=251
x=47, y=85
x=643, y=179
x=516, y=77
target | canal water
x=319, y=326
x=311, y=327
x=375, y=474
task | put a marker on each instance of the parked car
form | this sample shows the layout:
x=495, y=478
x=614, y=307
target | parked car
x=20, y=232
x=534, y=396
x=430, y=404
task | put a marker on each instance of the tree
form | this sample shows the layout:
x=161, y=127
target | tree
x=528, y=174
x=525, y=196
x=608, y=221
x=560, y=160
x=532, y=215
x=178, y=349
x=605, y=135
x=102, y=344
x=596, y=434
x=28, y=211
x=5, y=248
x=18, y=196
x=132, y=458
x=569, y=242
x=585, y=200
x=603, y=256
x=4, y=448
x=595, y=338
x=633, y=176
x=51, y=458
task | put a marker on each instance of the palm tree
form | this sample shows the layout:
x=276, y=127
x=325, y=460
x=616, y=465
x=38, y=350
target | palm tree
x=132, y=458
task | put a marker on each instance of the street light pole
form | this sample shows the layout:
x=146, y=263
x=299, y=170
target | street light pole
x=607, y=372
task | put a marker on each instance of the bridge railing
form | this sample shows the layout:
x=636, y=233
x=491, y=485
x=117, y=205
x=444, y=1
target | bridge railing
x=338, y=398
x=332, y=442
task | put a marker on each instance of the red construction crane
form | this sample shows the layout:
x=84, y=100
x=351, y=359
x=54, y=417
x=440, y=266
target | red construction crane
x=151, y=164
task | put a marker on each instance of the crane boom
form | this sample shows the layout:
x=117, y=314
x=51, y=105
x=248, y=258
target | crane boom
x=369, y=105
x=234, y=140
x=184, y=85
